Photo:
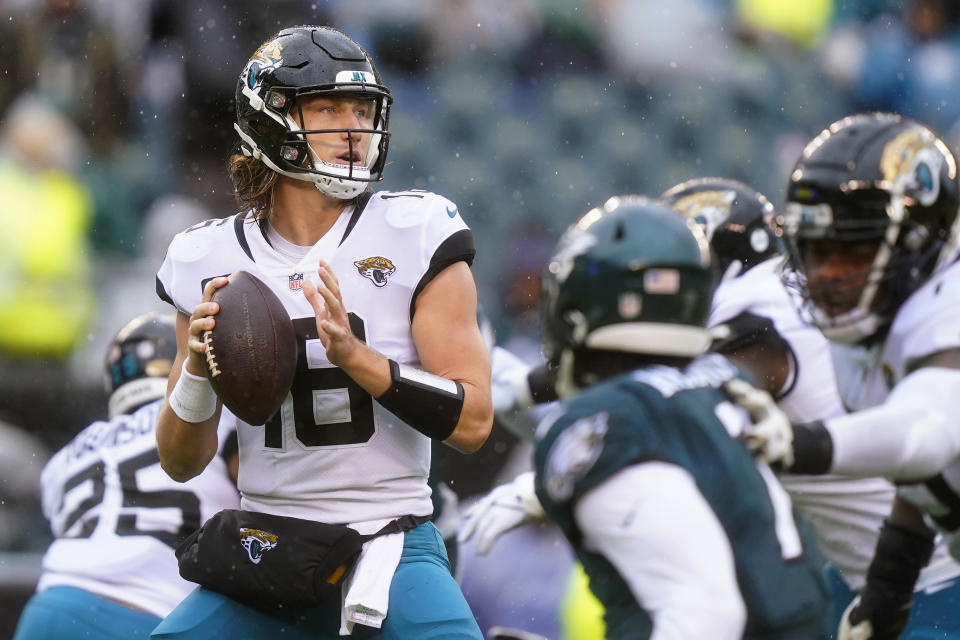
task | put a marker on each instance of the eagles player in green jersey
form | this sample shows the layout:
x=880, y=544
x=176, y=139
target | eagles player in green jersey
x=681, y=532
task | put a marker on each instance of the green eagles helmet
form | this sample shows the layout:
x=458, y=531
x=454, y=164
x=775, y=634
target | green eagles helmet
x=630, y=276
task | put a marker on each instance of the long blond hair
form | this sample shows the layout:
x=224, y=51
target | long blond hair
x=253, y=184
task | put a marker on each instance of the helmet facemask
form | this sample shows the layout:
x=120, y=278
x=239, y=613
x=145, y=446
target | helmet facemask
x=903, y=257
x=298, y=157
x=869, y=178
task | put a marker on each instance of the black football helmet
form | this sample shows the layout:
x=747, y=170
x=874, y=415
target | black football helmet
x=869, y=179
x=629, y=276
x=737, y=219
x=138, y=362
x=308, y=61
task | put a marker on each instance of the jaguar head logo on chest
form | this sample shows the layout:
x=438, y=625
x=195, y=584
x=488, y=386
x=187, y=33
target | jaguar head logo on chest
x=376, y=268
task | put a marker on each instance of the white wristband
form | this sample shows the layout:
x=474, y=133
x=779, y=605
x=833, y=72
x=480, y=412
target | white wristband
x=192, y=398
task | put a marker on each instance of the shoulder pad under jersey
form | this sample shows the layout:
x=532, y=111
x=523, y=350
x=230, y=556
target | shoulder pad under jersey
x=927, y=322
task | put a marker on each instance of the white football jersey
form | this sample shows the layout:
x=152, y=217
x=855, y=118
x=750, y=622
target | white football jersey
x=846, y=513
x=117, y=517
x=332, y=453
x=929, y=321
x=811, y=392
x=926, y=323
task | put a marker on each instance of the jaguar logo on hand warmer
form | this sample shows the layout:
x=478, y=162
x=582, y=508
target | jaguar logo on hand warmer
x=257, y=542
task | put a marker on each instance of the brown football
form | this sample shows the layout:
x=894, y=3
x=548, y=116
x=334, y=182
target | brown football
x=252, y=349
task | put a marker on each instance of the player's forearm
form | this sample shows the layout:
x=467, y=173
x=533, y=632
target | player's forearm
x=369, y=369
x=914, y=434
x=187, y=423
x=517, y=386
x=457, y=412
x=903, y=549
x=475, y=422
x=185, y=448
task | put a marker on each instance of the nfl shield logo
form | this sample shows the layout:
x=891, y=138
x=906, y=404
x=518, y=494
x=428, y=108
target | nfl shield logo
x=296, y=281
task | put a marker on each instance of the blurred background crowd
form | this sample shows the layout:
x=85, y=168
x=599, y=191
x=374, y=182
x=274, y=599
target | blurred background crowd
x=116, y=122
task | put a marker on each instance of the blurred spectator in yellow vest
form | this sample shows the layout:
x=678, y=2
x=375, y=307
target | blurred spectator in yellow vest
x=803, y=22
x=46, y=299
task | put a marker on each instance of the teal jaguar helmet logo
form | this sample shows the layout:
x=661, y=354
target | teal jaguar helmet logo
x=267, y=59
x=911, y=162
x=257, y=542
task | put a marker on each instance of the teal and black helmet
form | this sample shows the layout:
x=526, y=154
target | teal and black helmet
x=139, y=360
x=737, y=219
x=629, y=276
x=875, y=178
x=299, y=62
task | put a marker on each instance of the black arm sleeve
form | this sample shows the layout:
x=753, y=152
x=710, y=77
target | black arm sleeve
x=899, y=556
x=542, y=382
x=812, y=449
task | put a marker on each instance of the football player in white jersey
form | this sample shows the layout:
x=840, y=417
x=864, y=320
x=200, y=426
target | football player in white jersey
x=871, y=226
x=383, y=302
x=790, y=358
x=116, y=516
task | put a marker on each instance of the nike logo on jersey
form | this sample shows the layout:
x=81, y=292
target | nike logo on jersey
x=376, y=268
x=452, y=212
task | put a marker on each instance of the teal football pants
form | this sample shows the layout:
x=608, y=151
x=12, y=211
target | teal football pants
x=933, y=615
x=425, y=602
x=68, y=613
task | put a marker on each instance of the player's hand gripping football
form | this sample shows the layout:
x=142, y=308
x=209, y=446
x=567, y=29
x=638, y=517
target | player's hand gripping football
x=770, y=436
x=333, y=323
x=506, y=507
x=202, y=320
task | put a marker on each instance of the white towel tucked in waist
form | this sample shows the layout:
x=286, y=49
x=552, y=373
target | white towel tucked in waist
x=366, y=591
